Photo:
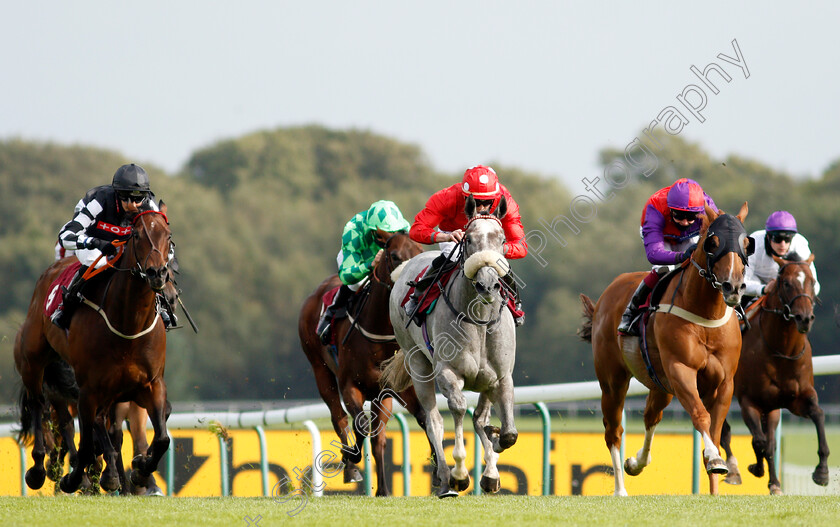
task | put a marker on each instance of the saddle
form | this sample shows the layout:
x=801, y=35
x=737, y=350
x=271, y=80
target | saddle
x=353, y=306
x=57, y=288
x=432, y=292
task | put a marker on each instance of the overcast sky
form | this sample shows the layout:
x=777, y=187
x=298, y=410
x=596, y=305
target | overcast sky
x=539, y=85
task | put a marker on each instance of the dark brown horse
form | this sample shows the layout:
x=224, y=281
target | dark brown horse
x=775, y=370
x=694, y=344
x=363, y=344
x=116, y=346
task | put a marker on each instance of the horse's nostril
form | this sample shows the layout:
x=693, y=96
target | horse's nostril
x=497, y=286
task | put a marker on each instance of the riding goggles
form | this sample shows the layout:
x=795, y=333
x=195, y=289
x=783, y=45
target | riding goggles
x=680, y=215
x=781, y=236
x=128, y=196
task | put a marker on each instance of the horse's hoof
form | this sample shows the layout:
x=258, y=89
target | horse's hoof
x=459, y=484
x=448, y=494
x=154, y=490
x=109, y=483
x=35, y=477
x=490, y=485
x=757, y=470
x=775, y=490
x=67, y=486
x=508, y=439
x=632, y=467
x=492, y=432
x=137, y=479
x=717, y=466
x=352, y=474
x=820, y=476
x=733, y=478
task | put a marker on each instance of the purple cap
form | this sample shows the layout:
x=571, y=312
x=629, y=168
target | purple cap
x=686, y=194
x=781, y=220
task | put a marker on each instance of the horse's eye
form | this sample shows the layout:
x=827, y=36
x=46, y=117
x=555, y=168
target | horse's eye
x=469, y=240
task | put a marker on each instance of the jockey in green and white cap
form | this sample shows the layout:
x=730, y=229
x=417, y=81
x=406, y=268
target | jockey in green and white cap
x=363, y=237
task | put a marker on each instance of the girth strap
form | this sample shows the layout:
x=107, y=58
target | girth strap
x=695, y=319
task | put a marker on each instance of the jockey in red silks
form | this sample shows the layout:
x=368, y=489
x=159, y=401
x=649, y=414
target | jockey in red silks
x=670, y=230
x=445, y=211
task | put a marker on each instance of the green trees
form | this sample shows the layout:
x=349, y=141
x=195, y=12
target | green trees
x=257, y=221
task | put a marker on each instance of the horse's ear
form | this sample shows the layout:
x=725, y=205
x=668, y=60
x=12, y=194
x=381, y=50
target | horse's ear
x=742, y=214
x=162, y=206
x=501, y=210
x=810, y=259
x=469, y=207
x=779, y=260
x=707, y=219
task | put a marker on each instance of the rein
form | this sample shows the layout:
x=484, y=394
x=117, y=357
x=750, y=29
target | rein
x=134, y=270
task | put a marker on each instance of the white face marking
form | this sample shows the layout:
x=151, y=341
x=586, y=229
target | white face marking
x=801, y=277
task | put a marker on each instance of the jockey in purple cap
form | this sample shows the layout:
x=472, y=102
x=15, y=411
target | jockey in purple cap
x=670, y=230
x=780, y=237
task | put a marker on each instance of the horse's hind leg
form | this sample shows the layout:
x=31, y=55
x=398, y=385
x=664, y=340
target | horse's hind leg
x=773, y=483
x=656, y=401
x=734, y=476
x=87, y=416
x=490, y=481
x=806, y=406
x=409, y=400
x=381, y=411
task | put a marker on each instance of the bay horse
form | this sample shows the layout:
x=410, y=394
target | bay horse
x=468, y=342
x=362, y=343
x=775, y=370
x=116, y=345
x=694, y=344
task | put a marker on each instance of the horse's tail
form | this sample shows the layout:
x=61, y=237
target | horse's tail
x=395, y=374
x=585, y=330
x=59, y=382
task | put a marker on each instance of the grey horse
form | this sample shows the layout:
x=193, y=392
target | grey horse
x=471, y=345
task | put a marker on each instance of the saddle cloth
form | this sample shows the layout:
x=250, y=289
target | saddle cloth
x=435, y=290
x=55, y=297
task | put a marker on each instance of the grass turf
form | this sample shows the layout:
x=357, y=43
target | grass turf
x=80, y=511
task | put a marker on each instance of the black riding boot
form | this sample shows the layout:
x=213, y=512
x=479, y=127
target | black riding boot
x=517, y=301
x=626, y=327
x=341, y=298
x=167, y=313
x=423, y=283
x=71, y=298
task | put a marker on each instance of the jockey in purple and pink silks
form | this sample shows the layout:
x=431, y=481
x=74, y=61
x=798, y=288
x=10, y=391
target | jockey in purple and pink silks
x=670, y=230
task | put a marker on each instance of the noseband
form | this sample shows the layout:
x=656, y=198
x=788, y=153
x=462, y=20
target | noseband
x=138, y=269
x=731, y=234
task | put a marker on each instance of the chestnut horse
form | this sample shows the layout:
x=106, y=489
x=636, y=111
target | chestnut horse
x=775, y=370
x=116, y=345
x=363, y=344
x=693, y=343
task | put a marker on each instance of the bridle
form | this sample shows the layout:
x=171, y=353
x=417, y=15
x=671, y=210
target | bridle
x=786, y=311
x=729, y=232
x=388, y=267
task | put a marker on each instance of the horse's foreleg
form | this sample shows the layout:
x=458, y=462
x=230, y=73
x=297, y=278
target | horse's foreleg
x=806, y=406
x=502, y=397
x=656, y=401
x=409, y=399
x=684, y=382
x=354, y=401
x=154, y=401
x=451, y=386
x=752, y=418
x=424, y=387
x=490, y=481
x=613, y=392
x=137, y=419
x=87, y=417
x=773, y=482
